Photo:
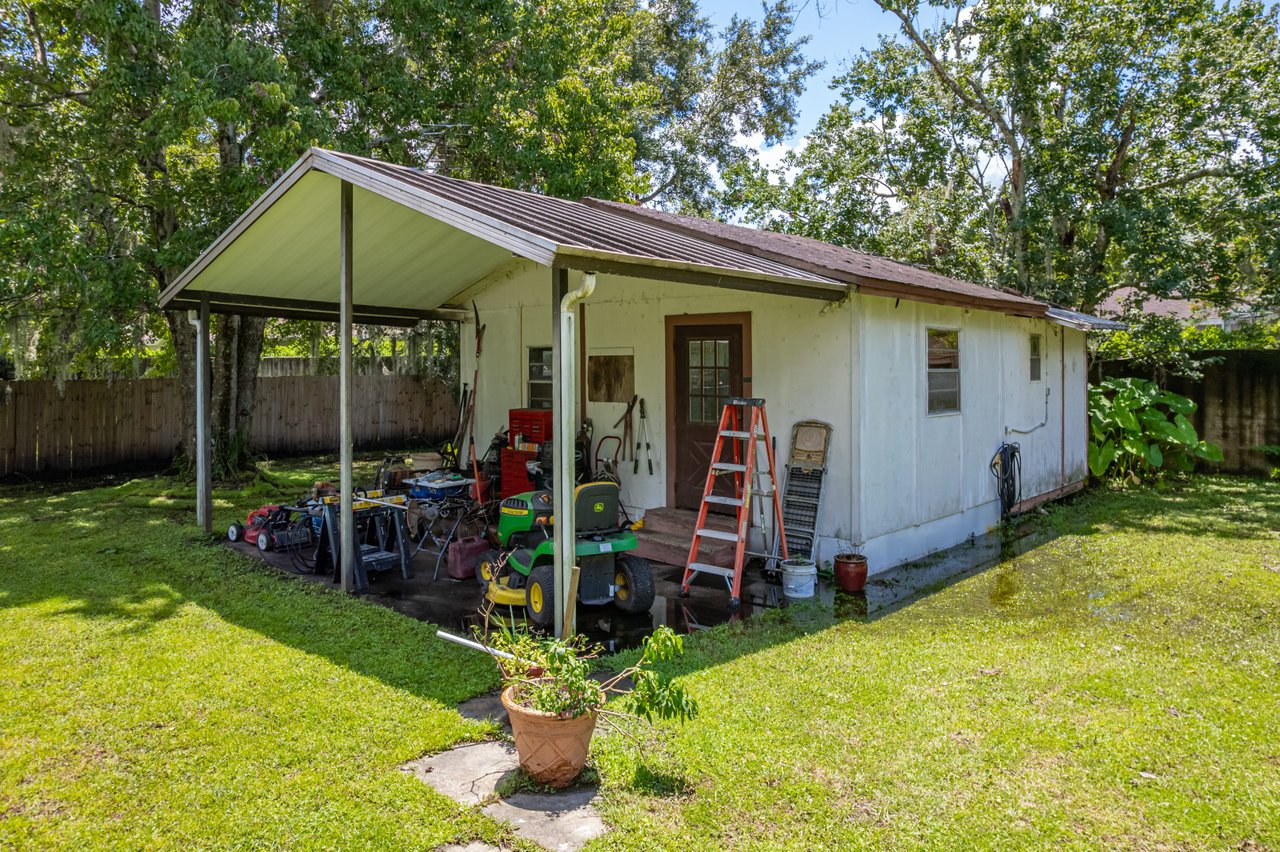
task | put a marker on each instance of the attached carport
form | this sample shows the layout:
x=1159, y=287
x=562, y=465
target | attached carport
x=346, y=239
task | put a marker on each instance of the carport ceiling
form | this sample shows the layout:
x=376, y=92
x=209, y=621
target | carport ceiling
x=419, y=240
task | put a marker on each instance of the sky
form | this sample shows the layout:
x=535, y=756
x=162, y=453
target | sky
x=838, y=30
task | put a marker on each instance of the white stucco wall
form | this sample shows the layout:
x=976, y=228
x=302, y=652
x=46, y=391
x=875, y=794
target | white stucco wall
x=901, y=481
x=924, y=478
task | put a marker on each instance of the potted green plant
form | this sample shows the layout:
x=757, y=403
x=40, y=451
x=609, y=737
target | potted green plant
x=554, y=703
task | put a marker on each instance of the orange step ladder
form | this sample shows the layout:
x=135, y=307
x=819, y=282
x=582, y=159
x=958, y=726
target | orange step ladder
x=739, y=412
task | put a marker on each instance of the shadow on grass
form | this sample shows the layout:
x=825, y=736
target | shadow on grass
x=123, y=558
x=128, y=554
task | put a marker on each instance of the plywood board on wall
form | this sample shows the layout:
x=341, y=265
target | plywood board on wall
x=611, y=375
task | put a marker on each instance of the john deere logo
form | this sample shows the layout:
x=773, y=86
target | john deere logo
x=599, y=507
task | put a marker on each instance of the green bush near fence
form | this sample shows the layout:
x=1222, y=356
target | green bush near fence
x=1137, y=430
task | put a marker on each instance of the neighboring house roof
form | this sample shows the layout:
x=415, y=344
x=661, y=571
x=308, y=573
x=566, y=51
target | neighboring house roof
x=1121, y=300
x=421, y=239
x=866, y=270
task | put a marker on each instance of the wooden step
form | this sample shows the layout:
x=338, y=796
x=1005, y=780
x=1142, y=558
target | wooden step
x=681, y=522
x=674, y=549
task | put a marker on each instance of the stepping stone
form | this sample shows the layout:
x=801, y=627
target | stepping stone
x=485, y=708
x=468, y=774
x=562, y=822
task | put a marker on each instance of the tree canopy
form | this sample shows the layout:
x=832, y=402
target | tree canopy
x=1064, y=150
x=131, y=133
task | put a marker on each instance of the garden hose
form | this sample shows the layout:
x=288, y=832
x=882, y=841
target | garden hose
x=1006, y=467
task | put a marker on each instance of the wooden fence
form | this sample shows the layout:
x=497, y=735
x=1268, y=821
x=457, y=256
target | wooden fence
x=93, y=424
x=1237, y=405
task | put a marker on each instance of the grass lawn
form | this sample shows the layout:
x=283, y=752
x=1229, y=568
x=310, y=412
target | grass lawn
x=1114, y=687
x=161, y=691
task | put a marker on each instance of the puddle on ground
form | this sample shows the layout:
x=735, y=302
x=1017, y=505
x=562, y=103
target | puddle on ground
x=454, y=604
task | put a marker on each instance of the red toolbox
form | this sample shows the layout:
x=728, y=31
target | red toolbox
x=528, y=426
x=515, y=476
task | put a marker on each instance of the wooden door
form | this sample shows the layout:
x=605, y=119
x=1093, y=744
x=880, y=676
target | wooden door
x=708, y=369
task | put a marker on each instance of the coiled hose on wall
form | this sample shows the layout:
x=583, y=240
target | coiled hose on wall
x=1006, y=467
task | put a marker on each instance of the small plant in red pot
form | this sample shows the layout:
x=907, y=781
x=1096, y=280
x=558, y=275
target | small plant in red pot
x=554, y=703
x=851, y=571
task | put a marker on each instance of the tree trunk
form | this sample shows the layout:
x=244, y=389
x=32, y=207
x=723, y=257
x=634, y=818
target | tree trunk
x=235, y=387
x=1017, y=225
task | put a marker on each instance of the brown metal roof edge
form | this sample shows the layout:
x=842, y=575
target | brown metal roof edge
x=687, y=272
x=871, y=286
x=896, y=290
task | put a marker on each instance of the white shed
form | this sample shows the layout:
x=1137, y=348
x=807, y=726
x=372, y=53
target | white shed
x=921, y=377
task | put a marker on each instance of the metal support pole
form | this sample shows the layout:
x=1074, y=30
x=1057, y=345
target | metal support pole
x=564, y=380
x=204, y=472
x=347, y=523
x=562, y=494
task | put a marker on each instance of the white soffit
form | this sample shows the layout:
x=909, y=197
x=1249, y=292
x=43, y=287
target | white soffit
x=402, y=259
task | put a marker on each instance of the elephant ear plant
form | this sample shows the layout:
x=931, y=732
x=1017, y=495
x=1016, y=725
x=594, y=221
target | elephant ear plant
x=1137, y=430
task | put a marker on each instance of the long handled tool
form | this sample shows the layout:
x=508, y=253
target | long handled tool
x=625, y=422
x=643, y=437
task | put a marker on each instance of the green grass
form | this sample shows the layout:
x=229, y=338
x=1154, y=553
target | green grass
x=161, y=691
x=1118, y=686
x=1115, y=687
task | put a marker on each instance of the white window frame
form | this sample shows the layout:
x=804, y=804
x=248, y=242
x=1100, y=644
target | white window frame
x=1035, y=361
x=529, y=381
x=929, y=372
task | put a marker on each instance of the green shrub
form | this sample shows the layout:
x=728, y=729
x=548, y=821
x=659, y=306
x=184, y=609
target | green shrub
x=1136, y=430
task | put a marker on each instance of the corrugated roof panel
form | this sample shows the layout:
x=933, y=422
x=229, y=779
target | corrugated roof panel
x=815, y=253
x=572, y=223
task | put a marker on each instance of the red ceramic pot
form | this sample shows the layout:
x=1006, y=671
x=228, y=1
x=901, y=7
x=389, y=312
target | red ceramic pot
x=851, y=572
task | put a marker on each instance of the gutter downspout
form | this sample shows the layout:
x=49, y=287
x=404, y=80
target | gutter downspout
x=565, y=431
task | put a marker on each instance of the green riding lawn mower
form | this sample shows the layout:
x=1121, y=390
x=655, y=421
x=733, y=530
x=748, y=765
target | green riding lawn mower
x=522, y=573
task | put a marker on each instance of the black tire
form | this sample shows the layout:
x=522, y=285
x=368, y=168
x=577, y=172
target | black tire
x=235, y=532
x=264, y=541
x=484, y=567
x=540, y=595
x=634, y=579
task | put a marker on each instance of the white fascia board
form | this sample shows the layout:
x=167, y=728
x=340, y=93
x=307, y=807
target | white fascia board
x=291, y=176
x=515, y=240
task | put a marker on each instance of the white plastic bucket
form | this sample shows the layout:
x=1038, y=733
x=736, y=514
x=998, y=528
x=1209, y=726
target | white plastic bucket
x=799, y=576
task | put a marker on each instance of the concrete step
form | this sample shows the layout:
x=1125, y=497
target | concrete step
x=680, y=522
x=674, y=549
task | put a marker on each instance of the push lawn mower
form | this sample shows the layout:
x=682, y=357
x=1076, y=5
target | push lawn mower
x=523, y=573
x=273, y=528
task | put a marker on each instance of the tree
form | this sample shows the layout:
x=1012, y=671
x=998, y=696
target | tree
x=1063, y=150
x=131, y=133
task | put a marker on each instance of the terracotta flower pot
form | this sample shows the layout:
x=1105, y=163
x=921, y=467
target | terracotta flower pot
x=851, y=572
x=552, y=749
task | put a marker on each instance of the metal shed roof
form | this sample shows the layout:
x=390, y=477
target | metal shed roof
x=421, y=239
x=872, y=274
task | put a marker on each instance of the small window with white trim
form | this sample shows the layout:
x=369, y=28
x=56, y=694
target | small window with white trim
x=1035, y=357
x=539, y=376
x=943, y=353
